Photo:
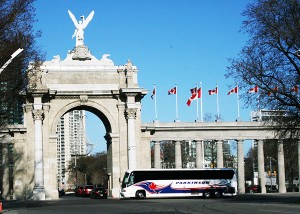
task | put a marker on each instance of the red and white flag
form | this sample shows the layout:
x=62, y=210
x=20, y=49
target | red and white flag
x=233, y=91
x=253, y=90
x=196, y=93
x=273, y=91
x=213, y=91
x=295, y=89
x=153, y=93
x=172, y=91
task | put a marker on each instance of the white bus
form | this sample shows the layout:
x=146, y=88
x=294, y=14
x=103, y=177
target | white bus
x=156, y=183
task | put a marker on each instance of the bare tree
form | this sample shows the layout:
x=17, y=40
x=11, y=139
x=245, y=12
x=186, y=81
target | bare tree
x=90, y=169
x=16, y=31
x=270, y=60
x=168, y=152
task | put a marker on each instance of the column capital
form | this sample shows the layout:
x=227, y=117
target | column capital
x=130, y=113
x=38, y=114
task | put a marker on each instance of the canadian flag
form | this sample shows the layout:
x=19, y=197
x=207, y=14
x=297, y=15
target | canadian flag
x=172, y=91
x=273, y=91
x=153, y=93
x=213, y=91
x=253, y=90
x=295, y=89
x=196, y=93
x=234, y=90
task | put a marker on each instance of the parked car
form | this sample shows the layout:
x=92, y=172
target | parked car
x=253, y=189
x=79, y=191
x=87, y=190
x=84, y=191
x=98, y=192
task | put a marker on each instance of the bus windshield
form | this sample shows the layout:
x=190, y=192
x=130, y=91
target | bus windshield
x=128, y=179
x=125, y=180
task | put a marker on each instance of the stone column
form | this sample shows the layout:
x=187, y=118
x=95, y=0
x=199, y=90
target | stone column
x=199, y=154
x=281, y=168
x=299, y=164
x=131, y=115
x=178, y=162
x=220, y=154
x=261, y=166
x=157, y=155
x=241, y=172
x=114, y=179
x=39, y=189
x=5, y=167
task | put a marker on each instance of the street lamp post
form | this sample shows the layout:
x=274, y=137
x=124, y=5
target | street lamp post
x=271, y=176
x=16, y=53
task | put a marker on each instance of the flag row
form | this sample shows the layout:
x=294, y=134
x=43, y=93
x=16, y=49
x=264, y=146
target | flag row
x=197, y=92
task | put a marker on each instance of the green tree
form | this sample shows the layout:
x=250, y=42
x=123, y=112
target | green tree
x=16, y=31
x=270, y=59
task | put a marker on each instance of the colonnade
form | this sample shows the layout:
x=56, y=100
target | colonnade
x=240, y=161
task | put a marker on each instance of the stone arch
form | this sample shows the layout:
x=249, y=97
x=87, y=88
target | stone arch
x=110, y=92
x=92, y=106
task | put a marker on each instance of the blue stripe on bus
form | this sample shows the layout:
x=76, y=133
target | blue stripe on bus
x=155, y=189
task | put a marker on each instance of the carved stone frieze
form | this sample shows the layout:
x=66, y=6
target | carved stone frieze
x=78, y=97
x=83, y=99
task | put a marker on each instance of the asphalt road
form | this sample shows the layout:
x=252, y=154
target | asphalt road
x=288, y=203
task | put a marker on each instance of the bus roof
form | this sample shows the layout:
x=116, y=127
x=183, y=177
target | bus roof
x=202, y=169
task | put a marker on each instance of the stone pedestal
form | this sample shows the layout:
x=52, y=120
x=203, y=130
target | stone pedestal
x=39, y=193
x=81, y=52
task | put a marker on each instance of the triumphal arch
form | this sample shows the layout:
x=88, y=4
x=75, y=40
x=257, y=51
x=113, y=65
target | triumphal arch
x=81, y=81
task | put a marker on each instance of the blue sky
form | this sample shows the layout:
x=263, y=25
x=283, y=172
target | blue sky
x=181, y=42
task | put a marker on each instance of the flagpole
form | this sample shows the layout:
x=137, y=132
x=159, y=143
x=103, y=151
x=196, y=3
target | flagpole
x=155, y=108
x=258, y=102
x=238, y=102
x=201, y=110
x=197, y=102
x=176, y=103
x=297, y=92
x=218, y=110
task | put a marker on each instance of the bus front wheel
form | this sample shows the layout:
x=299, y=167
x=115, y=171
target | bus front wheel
x=140, y=194
x=206, y=194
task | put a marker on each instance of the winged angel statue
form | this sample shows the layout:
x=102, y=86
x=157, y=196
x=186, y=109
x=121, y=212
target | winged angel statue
x=80, y=26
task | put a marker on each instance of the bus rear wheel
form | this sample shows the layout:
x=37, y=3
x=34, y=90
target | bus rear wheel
x=218, y=194
x=140, y=194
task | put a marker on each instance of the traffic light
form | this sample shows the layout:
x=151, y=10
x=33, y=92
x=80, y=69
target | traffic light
x=10, y=148
x=274, y=173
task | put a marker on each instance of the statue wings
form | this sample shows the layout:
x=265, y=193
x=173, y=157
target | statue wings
x=85, y=21
x=88, y=19
x=73, y=19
